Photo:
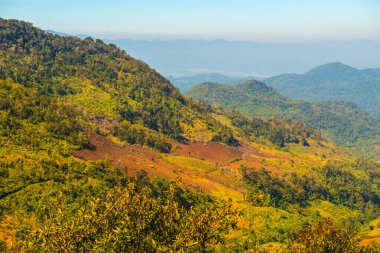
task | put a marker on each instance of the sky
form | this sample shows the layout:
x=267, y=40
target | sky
x=250, y=20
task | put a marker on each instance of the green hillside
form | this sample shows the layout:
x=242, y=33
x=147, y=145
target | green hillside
x=100, y=153
x=333, y=81
x=343, y=122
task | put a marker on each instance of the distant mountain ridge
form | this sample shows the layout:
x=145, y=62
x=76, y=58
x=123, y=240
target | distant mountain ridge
x=333, y=81
x=247, y=58
x=184, y=83
x=344, y=122
x=184, y=57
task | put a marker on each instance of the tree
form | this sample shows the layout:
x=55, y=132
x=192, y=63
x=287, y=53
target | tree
x=128, y=220
x=327, y=237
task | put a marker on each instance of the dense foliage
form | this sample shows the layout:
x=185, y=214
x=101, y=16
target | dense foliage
x=278, y=130
x=343, y=122
x=333, y=81
x=336, y=184
x=326, y=236
x=55, y=90
x=75, y=71
x=144, y=216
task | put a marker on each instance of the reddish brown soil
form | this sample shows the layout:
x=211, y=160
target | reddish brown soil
x=210, y=151
x=217, y=152
x=133, y=158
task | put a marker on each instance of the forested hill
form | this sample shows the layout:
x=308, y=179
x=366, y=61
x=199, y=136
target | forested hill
x=107, y=90
x=100, y=153
x=333, y=81
x=344, y=122
x=100, y=80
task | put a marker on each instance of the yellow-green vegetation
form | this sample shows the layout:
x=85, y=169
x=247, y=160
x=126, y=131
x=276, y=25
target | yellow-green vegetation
x=340, y=213
x=196, y=131
x=371, y=230
x=91, y=100
x=374, y=227
x=327, y=236
x=55, y=90
x=224, y=120
x=236, y=159
x=189, y=162
x=129, y=219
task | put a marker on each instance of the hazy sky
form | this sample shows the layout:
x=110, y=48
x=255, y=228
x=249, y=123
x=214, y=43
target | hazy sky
x=265, y=20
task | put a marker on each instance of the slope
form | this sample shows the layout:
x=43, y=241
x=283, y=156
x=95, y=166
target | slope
x=79, y=117
x=343, y=122
x=333, y=81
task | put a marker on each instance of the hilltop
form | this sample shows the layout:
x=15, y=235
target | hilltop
x=99, y=152
x=184, y=83
x=333, y=81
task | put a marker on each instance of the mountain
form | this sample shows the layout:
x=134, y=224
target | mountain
x=184, y=83
x=100, y=153
x=333, y=81
x=247, y=58
x=343, y=122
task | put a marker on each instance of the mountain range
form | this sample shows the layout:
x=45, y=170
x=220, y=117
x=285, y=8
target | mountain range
x=186, y=63
x=328, y=82
x=344, y=122
x=333, y=81
x=245, y=58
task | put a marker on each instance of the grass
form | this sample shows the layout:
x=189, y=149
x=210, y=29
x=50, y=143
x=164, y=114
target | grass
x=338, y=213
x=197, y=132
x=189, y=162
x=236, y=159
x=92, y=100
x=371, y=230
x=224, y=120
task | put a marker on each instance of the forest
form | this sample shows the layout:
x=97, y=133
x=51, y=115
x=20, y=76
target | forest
x=283, y=187
x=344, y=123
